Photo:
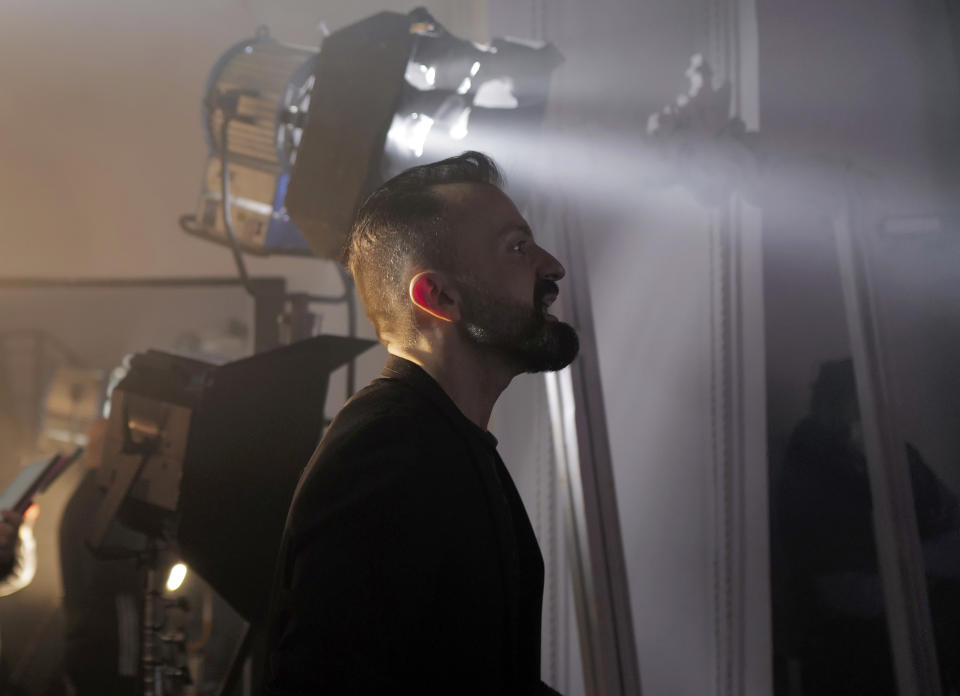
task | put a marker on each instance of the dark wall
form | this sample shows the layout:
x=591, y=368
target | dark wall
x=870, y=88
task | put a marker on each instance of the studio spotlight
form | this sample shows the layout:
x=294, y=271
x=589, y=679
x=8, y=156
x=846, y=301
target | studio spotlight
x=257, y=97
x=459, y=95
x=395, y=90
x=205, y=458
x=307, y=135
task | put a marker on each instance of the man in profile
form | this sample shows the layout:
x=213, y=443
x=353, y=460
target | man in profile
x=408, y=563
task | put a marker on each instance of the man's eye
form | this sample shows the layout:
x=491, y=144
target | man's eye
x=518, y=246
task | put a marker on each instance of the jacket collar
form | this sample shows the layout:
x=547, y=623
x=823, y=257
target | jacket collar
x=413, y=375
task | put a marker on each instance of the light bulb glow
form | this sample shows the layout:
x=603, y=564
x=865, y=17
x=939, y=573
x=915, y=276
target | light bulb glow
x=177, y=575
x=458, y=131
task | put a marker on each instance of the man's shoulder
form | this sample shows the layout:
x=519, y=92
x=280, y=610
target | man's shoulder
x=387, y=407
x=385, y=423
x=387, y=437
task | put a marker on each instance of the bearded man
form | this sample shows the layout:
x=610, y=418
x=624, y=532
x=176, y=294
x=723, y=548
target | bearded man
x=408, y=563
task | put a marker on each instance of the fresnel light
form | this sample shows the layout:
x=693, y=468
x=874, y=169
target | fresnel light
x=305, y=135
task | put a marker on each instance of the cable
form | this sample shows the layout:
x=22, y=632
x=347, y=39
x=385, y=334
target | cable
x=227, y=103
x=225, y=194
x=187, y=223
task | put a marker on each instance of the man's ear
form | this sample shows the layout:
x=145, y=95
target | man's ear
x=432, y=292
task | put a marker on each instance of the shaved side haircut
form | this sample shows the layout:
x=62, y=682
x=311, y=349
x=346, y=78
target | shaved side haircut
x=406, y=223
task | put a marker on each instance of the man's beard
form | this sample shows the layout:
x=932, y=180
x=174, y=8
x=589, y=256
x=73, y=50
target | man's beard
x=521, y=334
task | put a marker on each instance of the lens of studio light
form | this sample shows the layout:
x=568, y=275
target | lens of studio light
x=178, y=573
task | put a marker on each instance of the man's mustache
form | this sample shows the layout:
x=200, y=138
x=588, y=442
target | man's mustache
x=544, y=288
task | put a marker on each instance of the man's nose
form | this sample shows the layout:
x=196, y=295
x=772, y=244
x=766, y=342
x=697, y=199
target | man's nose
x=550, y=268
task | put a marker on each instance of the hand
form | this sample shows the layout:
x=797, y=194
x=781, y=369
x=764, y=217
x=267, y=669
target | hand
x=9, y=533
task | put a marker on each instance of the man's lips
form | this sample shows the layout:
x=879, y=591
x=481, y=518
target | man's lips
x=544, y=306
x=546, y=294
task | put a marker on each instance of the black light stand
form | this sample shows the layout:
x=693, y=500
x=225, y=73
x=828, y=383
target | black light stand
x=162, y=654
x=205, y=459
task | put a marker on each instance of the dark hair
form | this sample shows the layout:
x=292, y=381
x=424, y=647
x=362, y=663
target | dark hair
x=404, y=223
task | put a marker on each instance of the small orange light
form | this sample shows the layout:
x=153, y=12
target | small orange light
x=32, y=513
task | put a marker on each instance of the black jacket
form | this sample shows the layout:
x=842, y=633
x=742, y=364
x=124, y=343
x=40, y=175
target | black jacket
x=408, y=563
